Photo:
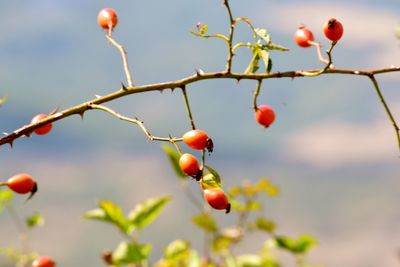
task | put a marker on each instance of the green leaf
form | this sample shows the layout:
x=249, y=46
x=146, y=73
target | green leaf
x=3, y=99
x=96, y=214
x=252, y=260
x=264, y=185
x=253, y=65
x=173, y=157
x=109, y=212
x=249, y=260
x=5, y=197
x=176, y=250
x=265, y=225
x=216, y=175
x=36, y=219
x=262, y=33
x=221, y=243
x=272, y=46
x=202, y=28
x=266, y=59
x=269, y=69
x=210, y=181
x=127, y=253
x=205, y=222
x=178, y=253
x=230, y=260
x=235, y=191
x=302, y=245
x=252, y=205
x=146, y=212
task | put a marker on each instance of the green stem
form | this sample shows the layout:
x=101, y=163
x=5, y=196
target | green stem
x=187, y=105
x=386, y=107
x=191, y=196
x=23, y=233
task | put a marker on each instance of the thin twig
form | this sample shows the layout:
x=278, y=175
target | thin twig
x=137, y=122
x=124, y=59
x=386, y=107
x=80, y=109
x=187, y=105
x=232, y=23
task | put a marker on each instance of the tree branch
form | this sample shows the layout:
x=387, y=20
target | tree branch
x=80, y=109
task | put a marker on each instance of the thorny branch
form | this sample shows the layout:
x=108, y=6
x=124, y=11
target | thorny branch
x=124, y=91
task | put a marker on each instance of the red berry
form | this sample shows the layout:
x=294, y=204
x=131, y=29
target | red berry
x=264, y=115
x=217, y=199
x=189, y=165
x=44, y=261
x=42, y=129
x=198, y=139
x=22, y=183
x=107, y=18
x=333, y=30
x=303, y=36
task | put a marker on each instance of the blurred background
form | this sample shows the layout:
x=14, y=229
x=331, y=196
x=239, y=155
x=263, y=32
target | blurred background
x=332, y=150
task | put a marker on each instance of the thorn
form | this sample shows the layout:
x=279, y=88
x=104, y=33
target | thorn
x=238, y=79
x=81, y=114
x=97, y=96
x=123, y=87
x=5, y=133
x=11, y=144
x=199, y=72
x=54, y=111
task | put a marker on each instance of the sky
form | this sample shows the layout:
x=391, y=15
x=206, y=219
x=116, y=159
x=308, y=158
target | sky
x=332, y=149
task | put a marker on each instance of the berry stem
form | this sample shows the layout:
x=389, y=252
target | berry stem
x=124, y=58
x=175, y=145
x=328, y=62
x=3, y=184
x=187, y=105
x=386, y=107
x=320, y=56
x=256, y=93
